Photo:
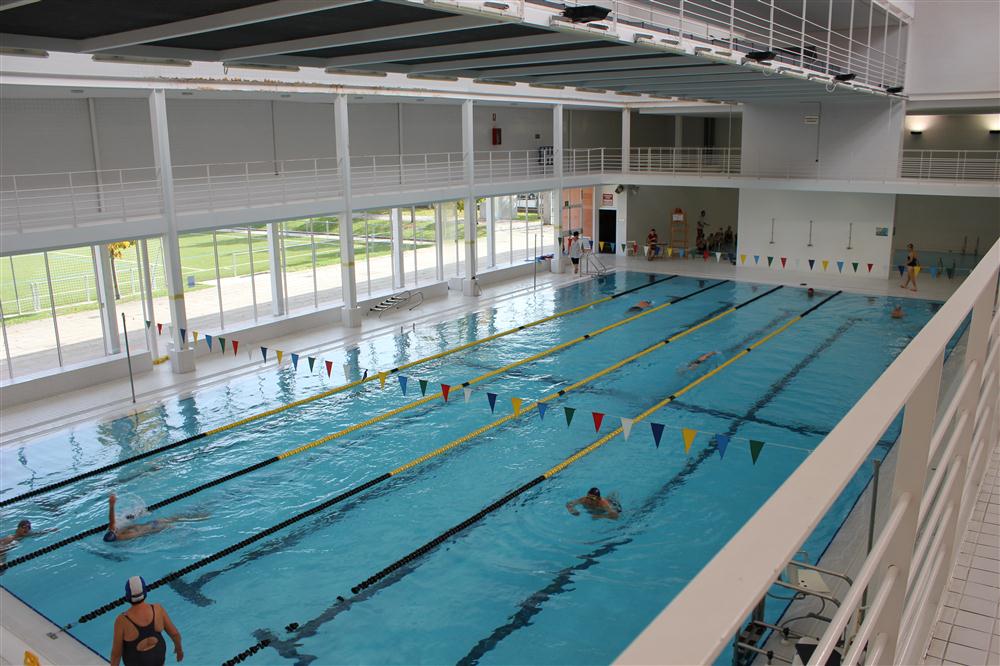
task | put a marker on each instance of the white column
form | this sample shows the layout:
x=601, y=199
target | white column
x=626, y=138
x=398, y=274
x=491, y=231
x=106, y=299
x=469, y=287
x=557, y=170
x=439, y=241
x=147, y=280
x=181, y=356
x=275, y=265
x=352, y=313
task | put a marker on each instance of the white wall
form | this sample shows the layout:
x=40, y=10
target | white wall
x=592, y=129
x=651, y=207
x=943, y=223
x=952, y=132
x=832, y=214
x=434, y=128
x=213, y=131
x=954, y=50
x=42, y=136
x=304, y=130
x=853, y=139
x=518, y=127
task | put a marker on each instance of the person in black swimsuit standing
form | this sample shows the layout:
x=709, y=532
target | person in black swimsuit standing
x=911, y=268
x=138, y=639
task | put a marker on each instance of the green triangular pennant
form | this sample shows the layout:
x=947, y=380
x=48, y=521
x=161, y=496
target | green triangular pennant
x=423, y=387
x=569, y=414
x=755, y=447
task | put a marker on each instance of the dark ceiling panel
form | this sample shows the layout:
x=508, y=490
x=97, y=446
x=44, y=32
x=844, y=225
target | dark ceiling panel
x=585, y=65
x=330, y=22
x=499, y=31
x=538, y=49
x=82, y=19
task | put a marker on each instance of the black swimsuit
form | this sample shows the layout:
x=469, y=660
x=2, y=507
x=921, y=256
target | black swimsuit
x=133, y=656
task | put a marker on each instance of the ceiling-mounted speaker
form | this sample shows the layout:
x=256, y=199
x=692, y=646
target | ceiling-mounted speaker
x=619, y=189
x=586, y=13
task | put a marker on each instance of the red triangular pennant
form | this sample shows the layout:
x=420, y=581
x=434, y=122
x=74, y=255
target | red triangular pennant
x=329, y=367
x=598, y=418
x=236, y=345
x=445, y=389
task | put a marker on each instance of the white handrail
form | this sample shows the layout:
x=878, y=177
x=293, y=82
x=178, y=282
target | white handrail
x=702, y=619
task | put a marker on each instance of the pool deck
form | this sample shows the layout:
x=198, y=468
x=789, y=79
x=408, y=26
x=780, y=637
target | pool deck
x=22, y=628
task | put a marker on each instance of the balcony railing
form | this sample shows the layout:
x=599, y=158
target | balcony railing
x=951, y=164
x=938, y=470
x=876, y=55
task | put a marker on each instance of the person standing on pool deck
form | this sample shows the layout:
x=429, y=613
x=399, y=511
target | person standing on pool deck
x=138, y=638
x=575, y=251
x=597, y=506
x=115, y=533
x=911, y=268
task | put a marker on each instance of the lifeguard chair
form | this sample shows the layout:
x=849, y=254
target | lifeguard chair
x=678, y=229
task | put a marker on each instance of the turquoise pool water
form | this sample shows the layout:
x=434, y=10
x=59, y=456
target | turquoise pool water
x=527, y=584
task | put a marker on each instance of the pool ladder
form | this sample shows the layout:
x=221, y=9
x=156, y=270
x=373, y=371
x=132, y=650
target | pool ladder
x=397, y=301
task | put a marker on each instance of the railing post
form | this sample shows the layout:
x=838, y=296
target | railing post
x=909, y=479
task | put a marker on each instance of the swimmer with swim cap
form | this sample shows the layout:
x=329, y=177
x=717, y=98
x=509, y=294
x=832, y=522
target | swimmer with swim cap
x=596, y=506
x=897, y=313
x=639, y=307
x=116, y=533
x=23, y=530
x=701, y=359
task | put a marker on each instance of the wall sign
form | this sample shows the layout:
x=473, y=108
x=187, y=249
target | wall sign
x=881, y=231
x=607, y=199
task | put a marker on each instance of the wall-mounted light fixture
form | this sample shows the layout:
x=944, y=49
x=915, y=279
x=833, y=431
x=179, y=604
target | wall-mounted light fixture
x=916, y=132
x=844, y=78
x=996, y=131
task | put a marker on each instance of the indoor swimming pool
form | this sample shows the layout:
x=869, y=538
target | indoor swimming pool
x=523, y=582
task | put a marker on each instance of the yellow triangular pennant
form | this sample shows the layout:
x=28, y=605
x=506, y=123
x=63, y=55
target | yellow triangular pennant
x=195, y=334
x=689, y=436
x=280, y=354
x=916, y=271
x=516, y=403
x=743, y=259
x=381, y=379
x=825, y=264
x=670, y=251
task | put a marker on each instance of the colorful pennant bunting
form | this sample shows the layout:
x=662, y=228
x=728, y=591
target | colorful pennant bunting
x=743, y=259
x=721, y=444
x=755, y=447
x=770, y=260
x=689, y=436
x=184, y=337
x=934, y=271
x=423, y=387
x=492, y=398
x=159, y=328
x=657, y=429
x=381, y=379
x=783, y=260
x=279, y=354
x=854, y=264
x=329, y=367
x=718, y=257
x=569, y=411
x=916, y=270
x=295, y=361
x=627, y=427
x=312, y=362
x=236, y=345
x=402, y=383
x=840, y=266
x=812, y=262
x=901, y=270
x=263, y=354
x=826, y=263
x=148, y=323
x=598, y=419
x=468, y=393
x=208, y=341
x=756, y=259
x=222, y=343
x=194, y=334
x=870, y=267
x=542, y=408
x=445, y=390
x=516, y=404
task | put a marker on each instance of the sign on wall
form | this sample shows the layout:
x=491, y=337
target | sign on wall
x=607, y=200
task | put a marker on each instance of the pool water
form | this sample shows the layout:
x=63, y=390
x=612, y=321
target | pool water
x=527, y=584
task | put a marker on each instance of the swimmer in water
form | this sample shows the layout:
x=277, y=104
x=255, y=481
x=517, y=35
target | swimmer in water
x=810, y=292
x=597, y=506
x=897, y=313
x=639, y=307
x=701, y=359
x=116, y=533
x=23, y=530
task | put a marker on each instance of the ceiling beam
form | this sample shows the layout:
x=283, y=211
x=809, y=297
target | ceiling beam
x=381, y=34
x=14, y=4
x=679, y=72
x=631, y=63
x=489, y=45
x=695, y=81
x=545, y=57
x=231, y=19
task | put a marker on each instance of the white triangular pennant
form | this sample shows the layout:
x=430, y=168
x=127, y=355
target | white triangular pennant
x=627, y=427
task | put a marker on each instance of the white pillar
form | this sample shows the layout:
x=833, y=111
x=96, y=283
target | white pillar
x=439, y=241
x=398, y=273
x=469, y=287
x=557, y=170
x=352, y=313
x=147, y=278
x=275, y=264
x=181, y=356
x=106, y=299
x=491, y=231
x=626, y=138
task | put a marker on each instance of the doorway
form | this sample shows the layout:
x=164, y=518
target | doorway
x=607, y=223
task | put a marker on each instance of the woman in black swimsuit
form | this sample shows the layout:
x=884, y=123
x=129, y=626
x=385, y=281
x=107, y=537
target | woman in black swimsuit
x=911, y=268
x=139, y=631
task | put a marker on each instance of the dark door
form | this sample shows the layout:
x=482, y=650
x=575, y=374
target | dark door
x=607, y=221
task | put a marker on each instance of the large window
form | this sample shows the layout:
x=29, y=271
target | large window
x=373, y=251
x=419, y=251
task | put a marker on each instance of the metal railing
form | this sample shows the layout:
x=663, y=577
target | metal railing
x=757, y=25
x=685, y=160
x=492, y=166
x=950, y=164
x=938, y=471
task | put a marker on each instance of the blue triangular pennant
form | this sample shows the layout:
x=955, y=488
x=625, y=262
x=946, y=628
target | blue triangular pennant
x=402, y=383
x=721, y=444
x=312, y=363
x=208, y=341
x=184, y=335
x=542, y=408
x=812, y=262
x=657, y=429
x=492, y=397
x=901, y=269
x=295, y=361
x=840, y=266
x=756, y=258
x=263, y=353
x=681, y=251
